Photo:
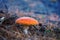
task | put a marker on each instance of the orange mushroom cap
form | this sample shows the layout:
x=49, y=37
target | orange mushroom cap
x=27, y=21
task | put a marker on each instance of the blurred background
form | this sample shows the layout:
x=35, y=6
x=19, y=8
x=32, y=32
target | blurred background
x=45, y=10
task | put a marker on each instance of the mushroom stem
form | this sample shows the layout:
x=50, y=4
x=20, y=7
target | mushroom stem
x=26, y=30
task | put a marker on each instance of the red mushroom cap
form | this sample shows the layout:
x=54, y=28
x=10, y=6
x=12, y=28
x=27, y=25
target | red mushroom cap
x=27, y=21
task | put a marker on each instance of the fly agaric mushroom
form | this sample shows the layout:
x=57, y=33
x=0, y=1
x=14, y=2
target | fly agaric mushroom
x=26, y=22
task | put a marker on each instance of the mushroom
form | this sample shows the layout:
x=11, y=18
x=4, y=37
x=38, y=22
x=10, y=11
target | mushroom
x=26, y=22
